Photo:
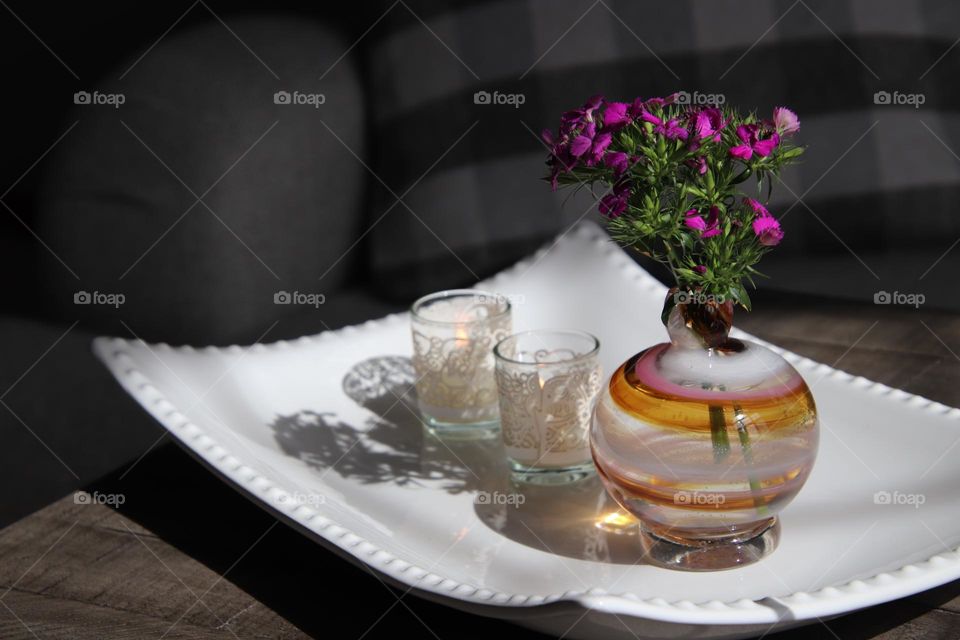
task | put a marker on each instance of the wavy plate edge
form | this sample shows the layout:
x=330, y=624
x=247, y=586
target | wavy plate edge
x=828, y=601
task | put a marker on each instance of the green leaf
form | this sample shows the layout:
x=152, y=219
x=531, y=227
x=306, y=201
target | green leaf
x=740, y=296
x=790, y=154
x=746, y=173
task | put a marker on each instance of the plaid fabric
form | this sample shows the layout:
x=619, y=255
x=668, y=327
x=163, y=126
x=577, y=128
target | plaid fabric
x=880, y=180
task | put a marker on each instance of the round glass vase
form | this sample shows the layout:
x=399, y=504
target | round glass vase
x=705, y=439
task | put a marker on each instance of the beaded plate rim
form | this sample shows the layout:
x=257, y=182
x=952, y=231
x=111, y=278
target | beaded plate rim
x=827, y=601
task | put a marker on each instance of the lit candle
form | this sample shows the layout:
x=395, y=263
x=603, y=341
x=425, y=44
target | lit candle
x=547, y=383
x=453, y=337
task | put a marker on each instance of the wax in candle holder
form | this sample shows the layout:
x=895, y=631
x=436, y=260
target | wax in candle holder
x=548, y=382
x=454, y=333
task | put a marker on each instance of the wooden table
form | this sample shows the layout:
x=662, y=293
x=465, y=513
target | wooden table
x=185, y=556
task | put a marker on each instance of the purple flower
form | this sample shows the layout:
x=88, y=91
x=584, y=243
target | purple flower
x=659, y=102
x=713, y=223
x=590, y=144
x=765, y=226
x=785, y=121
x=708, y=123
x=618, y=161
x=584, y=140
x=767, y=230
x=614, y=203
x=576, y=118
x=600, y=143
x=755, y=140
x=757, y=206
x=765, y=147
x=592, y=104
x=747, y=135
x=639, y=105
x=560, y=160
x=708, y=227
x=669, y=129
x=699, y=163
x=616, y=115
x=741, y=151
x=700, y=268
x=693, y=220
x=576, y=139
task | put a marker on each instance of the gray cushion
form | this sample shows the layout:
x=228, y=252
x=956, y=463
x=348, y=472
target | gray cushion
x=286, y=210
x=68, y=421
x=71, y=408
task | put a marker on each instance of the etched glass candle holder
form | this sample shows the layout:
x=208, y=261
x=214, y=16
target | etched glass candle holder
x=454, y=333
x=548, y=382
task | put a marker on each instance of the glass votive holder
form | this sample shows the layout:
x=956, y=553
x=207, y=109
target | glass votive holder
x=454, y=333
x=548, y=382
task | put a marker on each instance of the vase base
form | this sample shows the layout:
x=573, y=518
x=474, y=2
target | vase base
x=551, y=475
x=710, y=551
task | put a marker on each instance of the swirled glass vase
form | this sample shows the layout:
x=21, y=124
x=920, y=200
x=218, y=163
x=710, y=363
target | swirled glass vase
x=705, y=439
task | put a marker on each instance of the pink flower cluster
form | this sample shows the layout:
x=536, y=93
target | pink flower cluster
x=586, y=133
x=765, y=226
x=583, y=140
x=587, y=142
x=762, y=138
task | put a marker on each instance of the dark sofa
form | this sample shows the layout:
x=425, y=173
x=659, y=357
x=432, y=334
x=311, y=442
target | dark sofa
x=219, y=183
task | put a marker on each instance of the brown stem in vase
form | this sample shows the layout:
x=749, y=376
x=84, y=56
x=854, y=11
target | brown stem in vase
x=710, y=319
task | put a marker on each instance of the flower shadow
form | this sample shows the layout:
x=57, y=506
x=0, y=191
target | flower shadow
x=391, y=445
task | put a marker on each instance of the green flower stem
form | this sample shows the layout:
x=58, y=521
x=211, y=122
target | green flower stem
x=721, y=448
x=755, y=485
x=718, y=433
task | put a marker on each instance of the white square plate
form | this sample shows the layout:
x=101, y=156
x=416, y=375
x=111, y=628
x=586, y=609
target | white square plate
x=320, y=431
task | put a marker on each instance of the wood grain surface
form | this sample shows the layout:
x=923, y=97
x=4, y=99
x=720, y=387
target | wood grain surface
x=185, y=556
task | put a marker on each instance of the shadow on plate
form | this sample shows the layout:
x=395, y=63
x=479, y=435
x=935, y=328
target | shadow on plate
x=391, y=445
x=394, y=446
